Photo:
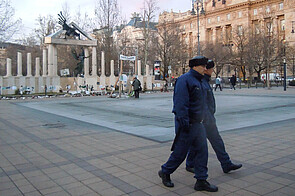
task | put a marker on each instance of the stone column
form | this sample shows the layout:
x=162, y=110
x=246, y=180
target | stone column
x=29, y=64
x=139, y=67
x=276, y=25
x=224, y=34
x=112, y=68
x=214, y=35
x=149, y=79
x=147, y=71
x=8, y=67
x=54, y=67
x=50, y=60
x=102, y=64
x=94, y=62
x=86, y=62
x=19, y=64
x=44, y=63
x=37, y=67
x=112, y=76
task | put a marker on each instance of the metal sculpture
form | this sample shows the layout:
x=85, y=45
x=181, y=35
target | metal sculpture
x=70, y=31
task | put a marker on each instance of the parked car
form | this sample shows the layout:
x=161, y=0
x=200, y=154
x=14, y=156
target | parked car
x=290, y=78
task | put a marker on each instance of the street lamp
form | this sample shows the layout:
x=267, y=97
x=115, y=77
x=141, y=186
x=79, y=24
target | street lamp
x=198, y=19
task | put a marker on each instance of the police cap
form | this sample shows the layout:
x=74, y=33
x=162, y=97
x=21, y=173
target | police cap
x=198, y=60
x=210, y=64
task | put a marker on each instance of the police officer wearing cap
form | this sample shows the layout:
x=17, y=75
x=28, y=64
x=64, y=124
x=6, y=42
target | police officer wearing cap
x=211, y=129
x=189, y=110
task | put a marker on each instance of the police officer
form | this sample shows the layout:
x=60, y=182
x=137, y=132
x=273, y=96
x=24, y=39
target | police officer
x=188, y=107
x=211, y=129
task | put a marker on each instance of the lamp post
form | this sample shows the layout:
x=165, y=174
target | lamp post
x=285, y=75
x=198, y=19
x=285, y=65
x=293, y=71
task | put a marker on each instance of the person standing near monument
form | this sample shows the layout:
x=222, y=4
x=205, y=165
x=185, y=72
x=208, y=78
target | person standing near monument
x=212, y=130
x=188, y=108
x=136, y=87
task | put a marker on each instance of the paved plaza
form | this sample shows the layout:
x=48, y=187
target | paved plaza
x=104, y=146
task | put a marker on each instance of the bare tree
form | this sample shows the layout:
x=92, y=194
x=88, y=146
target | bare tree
x=29, y=40
x=8, y=26
x=255, y=57
x=149, y=13
x=46, y=25
x=66, y=11
x=107, y=17
x=271, y=52
x=84, y=21
x=240, y=40
x=290, y=53
x=220, y=54
x=170, y=47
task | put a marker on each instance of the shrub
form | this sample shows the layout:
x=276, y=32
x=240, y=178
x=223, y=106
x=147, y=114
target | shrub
x=17, y=92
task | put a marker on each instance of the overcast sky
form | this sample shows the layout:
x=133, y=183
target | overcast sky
x=29, y=10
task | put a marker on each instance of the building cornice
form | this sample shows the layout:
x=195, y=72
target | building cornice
x=244, y=4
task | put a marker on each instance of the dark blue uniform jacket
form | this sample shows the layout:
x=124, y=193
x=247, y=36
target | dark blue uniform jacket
x=189, y=99
x=210, y=106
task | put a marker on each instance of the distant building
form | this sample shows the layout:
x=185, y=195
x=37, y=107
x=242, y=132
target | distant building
x=224, y=17
x=131, y=34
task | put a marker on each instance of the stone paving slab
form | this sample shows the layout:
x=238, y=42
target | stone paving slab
x=43, y=153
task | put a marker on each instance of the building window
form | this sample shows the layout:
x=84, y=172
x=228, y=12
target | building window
x=228, y=16
x=209, y=20
x=269, y=27
x=267, y=9
x=228, y=34
x=218, y=18
x=255, y=12
x=183, y=27
x=257, y=28
x=282, y=25
x=240, y=14
x=240, y=30
x=281, y=6
x=191, y=25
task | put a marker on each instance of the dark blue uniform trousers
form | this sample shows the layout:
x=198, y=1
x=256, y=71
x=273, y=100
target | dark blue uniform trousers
x=216, y=143
x=194, y=139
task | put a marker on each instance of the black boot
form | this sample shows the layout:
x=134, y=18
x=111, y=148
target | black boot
x=203, y=185
x=190, y=169
x=166, y=179
x=232, y=167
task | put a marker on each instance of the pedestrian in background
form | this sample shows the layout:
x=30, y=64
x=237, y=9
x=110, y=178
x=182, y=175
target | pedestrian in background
x=212, y=130
x=218, y=83
x=45, y=90
x=188, y=108
x=136, y=87
x=233, y=80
